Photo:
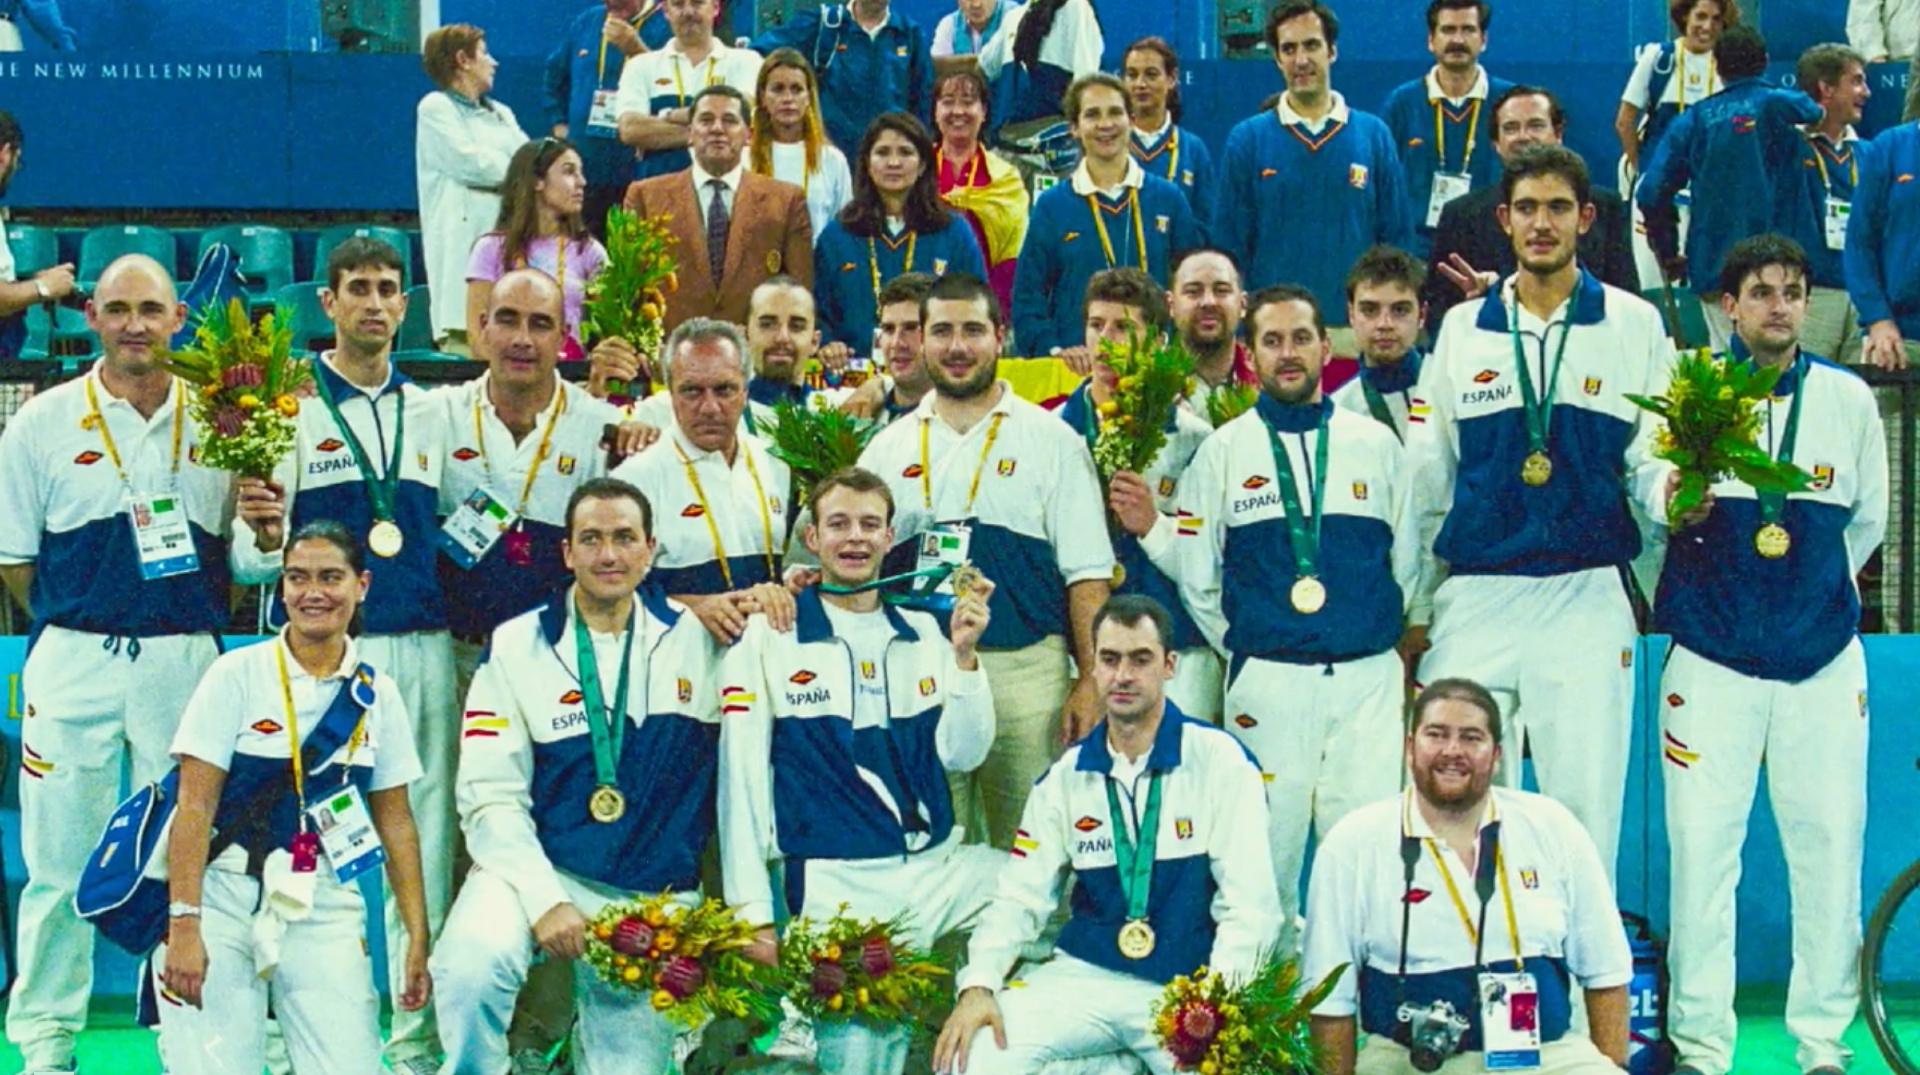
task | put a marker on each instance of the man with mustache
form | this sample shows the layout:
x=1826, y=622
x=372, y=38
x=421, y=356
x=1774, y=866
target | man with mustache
x=1397, y=883
x=1442, y=122
x=1297, y=552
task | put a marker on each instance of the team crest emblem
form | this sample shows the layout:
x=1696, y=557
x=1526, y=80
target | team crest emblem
x=867, y=671
x=1005, y=467
x=421, y=458
x=1161, y=223
x=692, y=511
x=1863, y=705
x=1357, y=176
x=1256, y=482
x=1822, y=478
x=1070, y=237
x=1166, y=486
x=939, y=266
x=1087, y=823
x=88, y=458
x=1186, y=177
x=1529, y=878
x=566, y=464
x=1591, y=386
x=683, y=690
x=802, y=677
x=901, y=51
x=193, y=454
x=1626, y=658
x=265, y=727
x=1359, y=490
x=465, y=454
x=1183, y=828
x=927, y=686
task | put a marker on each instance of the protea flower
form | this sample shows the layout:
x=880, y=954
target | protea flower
x=632, y=937
x=244, y=375
x=682, y=976
x=1194, y=1031
x=877, y=957
x=229, y=421
x=828, y=979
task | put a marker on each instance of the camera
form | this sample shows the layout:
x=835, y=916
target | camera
x=1434, y=1030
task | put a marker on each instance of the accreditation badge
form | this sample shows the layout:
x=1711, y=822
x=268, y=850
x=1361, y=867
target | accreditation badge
x=1446, y=187
x=1510, y=1021
x=347, y=836
x=604, y=114
x=475, y=527
x=161, y=536
x=1838, y=210
x=943, y=545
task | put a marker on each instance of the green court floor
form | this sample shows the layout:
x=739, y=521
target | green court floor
x=117, y=1047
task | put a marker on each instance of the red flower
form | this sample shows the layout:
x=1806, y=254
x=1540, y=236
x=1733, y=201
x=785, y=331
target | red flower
x=245, y=375
x=682, y=976
x=877, y=957
x=829, y=978
x=229, y=421
x=632, y=937
x=1195, y=1027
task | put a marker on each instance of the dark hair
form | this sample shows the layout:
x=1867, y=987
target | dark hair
x=721, y=89
x=1456, y=690
x=1435, y=7
x=1387, y=265
x=973, y=77
x=1077, y=92
x=520, y=203
x=907, y=287
x=609, y=489
x=1288, y=10
x=1757, y=252
x=854, y=479
x=963, y=287
x=1128, y=609
x=10, y=132
x=865, y=217
x=1536, y=161
x=1819, y=65
x=332, y=533
x=1679, y=11
x=1185, y=256
x=780, y=282
x=1740, y=53
x=441, y=52
x=362, y=252
x=1276, y=294
x=1555, y=114
x=1168, y=58
x=1129, y=286
x=1035, y=25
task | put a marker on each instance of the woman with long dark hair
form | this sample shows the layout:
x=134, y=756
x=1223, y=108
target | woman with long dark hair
x=981, y=186
x=539, y=227
x=789, y=141
x=1151, y=70
x=896, y=223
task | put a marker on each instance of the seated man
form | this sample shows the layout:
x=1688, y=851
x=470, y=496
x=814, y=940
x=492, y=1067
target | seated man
x=566, y=798
x=1429, y=981
x=1202, y=893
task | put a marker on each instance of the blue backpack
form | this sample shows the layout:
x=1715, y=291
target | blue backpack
x=217, y=280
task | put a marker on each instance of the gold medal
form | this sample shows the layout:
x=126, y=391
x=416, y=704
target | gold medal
x=963, y=580
x=1119, y=575
x=1309, y=595
x=1136, y=939
x=385, y=539
x=1537, y=470
x=606, y=804
x=1772, y=541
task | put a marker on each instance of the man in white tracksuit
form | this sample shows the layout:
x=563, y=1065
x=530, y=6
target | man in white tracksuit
x=1521, y=441
x=1174, y=878
x=1297, y=553
x=1758, y=594
x=842, y=732
x=124, y=626
x=589, y=755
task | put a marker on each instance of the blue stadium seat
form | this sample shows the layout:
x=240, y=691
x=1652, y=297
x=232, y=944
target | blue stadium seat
x=34, y=248
x=334, y=236
x=100, y=246
x=416, y=332
x=266, y=254
x=312, y=330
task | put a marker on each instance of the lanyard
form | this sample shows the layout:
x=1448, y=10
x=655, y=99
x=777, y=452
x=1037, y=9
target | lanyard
x=1100, y=224
x=1460, y=905
x=540, y=453
x=1135, y=861
x=293, y=734
x=1712, y=72
x=1172, y=143
x=608, y=727
x=1440, y=134
x=973, y=168
x=713, y=525
x=634, y=22
x=1539, y=406
x=873, y=260
x=926, y=466
x=99, y=422
x=1377, y=406
x=1773, y=505
x=1851, y=160
x=938, y=574
x=1306, y=536
x=679, y=87
x=381, y=491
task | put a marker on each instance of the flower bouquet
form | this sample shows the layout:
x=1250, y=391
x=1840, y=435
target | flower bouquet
x=1710, y=429
x=248, y=387
x=815, y=443
x=1230, y=401
x=628, y=299
x=689, y=962
x=848, y=968
x=1153, y=372
x=1259, y=1028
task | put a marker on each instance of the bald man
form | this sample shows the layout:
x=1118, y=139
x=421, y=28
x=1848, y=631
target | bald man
x=112, y=535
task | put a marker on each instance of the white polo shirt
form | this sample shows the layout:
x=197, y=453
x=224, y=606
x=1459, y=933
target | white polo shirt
x=707, y=511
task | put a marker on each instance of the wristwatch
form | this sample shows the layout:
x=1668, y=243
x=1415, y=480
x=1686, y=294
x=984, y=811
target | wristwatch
x=41, y=286
x=176, y=909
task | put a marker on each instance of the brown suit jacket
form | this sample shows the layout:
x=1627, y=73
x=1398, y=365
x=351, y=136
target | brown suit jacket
x=769, y=235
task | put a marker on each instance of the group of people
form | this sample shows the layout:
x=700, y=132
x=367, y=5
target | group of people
x=1158, y=685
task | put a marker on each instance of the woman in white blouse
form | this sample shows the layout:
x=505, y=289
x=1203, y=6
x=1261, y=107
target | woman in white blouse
x=463, y=142
x=789, y=142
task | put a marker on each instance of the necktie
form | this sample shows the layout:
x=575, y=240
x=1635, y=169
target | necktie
x=717, y=223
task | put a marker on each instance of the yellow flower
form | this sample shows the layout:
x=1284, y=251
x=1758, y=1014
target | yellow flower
x=1109, y=408
x=837, y=1002
x=210, y=391
x=833, y=952
x=289, y=406
x=630, y=974
x=655, y=918
x=1726, y=391
x=649, y=311
x=666, y=941
x=249, y=402
x=864, y=997
x=662, y=1000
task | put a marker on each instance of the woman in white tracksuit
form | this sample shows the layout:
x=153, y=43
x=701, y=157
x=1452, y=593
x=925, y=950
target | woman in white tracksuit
x=275, y=914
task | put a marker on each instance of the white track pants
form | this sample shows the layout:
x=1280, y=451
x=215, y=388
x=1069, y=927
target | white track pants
x=481, y=962
x=1069, y=1010
x=1328, y=742
x=1717, y=726
x=1557, y=654
x=1198, y=686
x=322, y=991
x=92, y=702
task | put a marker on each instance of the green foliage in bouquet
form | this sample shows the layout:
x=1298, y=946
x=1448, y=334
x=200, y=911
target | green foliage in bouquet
x=1710, y=429
x=815, y=442
x=247, y=387
x=689, y=962
x=851, y=968
x=1257, y=1028
x=1153, y=372
x=1230, y=401
x=628, y=299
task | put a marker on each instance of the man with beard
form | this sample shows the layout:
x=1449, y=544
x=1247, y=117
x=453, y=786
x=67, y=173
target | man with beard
x=983, y=476
x=1544, y=919
x=17, y=295
x=1310, y=504
x=1206, y=301
x=1441, y=121
x=1521, y=437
